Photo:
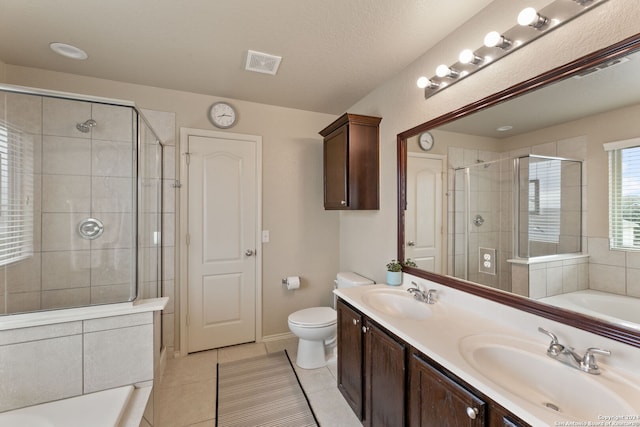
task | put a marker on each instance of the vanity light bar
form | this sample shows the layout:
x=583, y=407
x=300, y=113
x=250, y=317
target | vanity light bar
x=531, y=25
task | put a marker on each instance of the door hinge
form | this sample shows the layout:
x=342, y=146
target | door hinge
x=188, y=239
x=187, y=157
x=176, y=184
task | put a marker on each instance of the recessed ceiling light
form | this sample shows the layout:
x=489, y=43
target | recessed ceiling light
x=68, y=51
x=504, y=128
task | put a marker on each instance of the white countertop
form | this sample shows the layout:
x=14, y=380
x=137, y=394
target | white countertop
x=456, y=315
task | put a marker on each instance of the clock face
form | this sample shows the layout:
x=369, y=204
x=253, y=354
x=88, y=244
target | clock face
x=222, y=115
x=425, y=140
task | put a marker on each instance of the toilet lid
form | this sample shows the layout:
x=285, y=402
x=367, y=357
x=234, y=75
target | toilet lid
x=314, y=317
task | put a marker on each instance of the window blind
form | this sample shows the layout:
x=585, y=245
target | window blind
x=624, y=194
x=16, y=195
x=545, y=200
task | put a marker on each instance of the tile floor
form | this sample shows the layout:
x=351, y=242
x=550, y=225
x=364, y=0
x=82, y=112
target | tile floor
x=185, y=395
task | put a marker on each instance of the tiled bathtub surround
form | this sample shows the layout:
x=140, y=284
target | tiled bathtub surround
x=72, y=357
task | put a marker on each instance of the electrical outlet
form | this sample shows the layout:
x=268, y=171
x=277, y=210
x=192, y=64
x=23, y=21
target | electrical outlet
x=265, y=236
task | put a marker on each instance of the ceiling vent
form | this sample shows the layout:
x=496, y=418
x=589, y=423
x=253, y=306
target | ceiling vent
x=262, y=62
x=601, y=67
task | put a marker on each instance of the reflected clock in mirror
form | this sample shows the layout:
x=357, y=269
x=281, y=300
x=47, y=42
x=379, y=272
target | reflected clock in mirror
x=548, y=224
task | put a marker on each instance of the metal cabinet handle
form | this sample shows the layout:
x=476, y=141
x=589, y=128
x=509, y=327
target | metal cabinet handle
x=364, y=329
x=343, y=202
x=248, y=252
x=472, y=412
x=355, y=321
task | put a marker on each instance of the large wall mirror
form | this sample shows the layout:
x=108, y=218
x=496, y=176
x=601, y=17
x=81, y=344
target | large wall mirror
x=511, y=201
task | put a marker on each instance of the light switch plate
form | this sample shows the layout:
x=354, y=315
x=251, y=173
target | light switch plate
x=265, y=236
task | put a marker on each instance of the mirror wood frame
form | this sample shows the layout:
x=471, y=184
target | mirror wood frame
x=578, y=320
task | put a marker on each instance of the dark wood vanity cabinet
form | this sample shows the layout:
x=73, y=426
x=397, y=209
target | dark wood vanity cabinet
x=351, y=163
x=384, y=378
x=437, y=400
x=388, y=383
x=350, y=357
x=371, y=369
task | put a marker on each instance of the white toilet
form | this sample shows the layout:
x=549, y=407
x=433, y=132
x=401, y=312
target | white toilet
x=316, y=326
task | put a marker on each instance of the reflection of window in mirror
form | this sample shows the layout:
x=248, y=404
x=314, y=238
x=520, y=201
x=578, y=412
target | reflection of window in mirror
x=624, y=191
x=544, y=218
x=534, y=196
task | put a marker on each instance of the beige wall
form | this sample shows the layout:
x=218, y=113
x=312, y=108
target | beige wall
x=304, y=237
x=368, y=239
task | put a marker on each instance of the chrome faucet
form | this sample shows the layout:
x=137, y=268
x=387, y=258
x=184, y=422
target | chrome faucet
x=568, y=356
x=421, y=295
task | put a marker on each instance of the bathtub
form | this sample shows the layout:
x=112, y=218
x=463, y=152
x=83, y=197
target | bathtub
x=102, y=409
x=619, y=309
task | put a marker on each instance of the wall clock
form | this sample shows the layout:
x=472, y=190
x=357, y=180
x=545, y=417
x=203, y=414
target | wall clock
x=426, y=141
x=223, y=115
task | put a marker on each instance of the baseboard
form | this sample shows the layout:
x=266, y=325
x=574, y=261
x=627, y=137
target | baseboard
x=278, y=337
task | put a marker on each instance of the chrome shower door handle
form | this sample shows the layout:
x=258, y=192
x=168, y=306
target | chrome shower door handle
x=90, y=228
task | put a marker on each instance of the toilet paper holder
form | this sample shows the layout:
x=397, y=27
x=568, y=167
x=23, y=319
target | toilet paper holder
x=291, y=282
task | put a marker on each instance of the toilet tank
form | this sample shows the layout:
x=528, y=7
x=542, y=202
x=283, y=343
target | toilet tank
x=349, y=279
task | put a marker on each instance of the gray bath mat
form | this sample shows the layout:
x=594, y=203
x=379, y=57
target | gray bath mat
x=261, y=391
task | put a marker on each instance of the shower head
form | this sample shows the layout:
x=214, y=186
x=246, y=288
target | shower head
x=86, y=126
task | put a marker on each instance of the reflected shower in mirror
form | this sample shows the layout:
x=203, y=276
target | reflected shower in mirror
x=525, y=192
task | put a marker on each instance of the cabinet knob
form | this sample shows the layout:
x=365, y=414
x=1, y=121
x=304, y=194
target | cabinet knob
x=364, y=329
x=355, y=321
x=343, y=202
x=472, y=412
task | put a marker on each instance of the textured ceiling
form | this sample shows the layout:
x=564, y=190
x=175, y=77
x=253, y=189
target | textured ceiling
x=334, y=51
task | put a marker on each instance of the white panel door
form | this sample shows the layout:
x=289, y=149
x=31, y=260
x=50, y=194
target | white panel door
x=423, y=218
x=222, y=224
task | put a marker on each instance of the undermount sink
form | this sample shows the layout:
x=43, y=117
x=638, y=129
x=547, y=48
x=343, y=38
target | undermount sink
x=523, y=368
x=397, y=303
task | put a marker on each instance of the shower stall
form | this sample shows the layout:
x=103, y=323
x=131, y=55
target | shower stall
x=509, y=209
x=80, y=202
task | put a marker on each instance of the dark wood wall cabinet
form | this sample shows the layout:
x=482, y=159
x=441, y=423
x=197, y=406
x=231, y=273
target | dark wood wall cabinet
x=351, y=163
x=389, y=383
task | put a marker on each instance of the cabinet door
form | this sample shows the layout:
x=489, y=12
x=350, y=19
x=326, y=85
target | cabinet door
x=350, y=357
x=384, y=379
x=437, y=400
x=336, y=171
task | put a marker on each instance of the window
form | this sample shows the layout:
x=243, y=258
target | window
x=624, y=194
x=16, y=195
x=544, y=200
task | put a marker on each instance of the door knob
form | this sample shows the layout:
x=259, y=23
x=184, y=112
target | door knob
x=248, y=252
x=411, y=243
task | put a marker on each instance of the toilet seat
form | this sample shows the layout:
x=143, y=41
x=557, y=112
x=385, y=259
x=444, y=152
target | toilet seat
x=314, y=317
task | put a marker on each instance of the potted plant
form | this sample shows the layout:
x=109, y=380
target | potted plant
x=394, y=271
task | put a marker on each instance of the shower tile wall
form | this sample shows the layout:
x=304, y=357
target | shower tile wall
x=76, y=175
x=490, y=187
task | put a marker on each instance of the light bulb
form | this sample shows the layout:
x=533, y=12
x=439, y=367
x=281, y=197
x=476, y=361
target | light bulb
x=422, y=82
x=529, y=16
x=495, y=39
x=467, y=56
x=444, y=71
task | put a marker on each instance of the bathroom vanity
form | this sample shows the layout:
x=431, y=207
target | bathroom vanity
x=386, y=381
x=465, y=360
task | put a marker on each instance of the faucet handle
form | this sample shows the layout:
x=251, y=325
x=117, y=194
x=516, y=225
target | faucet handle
x=555, y=348
x=431, y=296
x=589, y=363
